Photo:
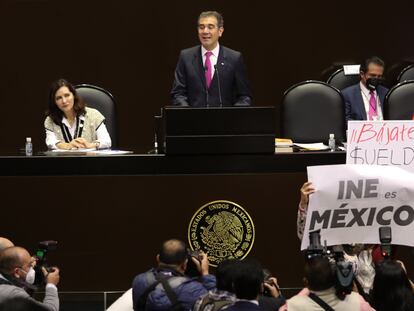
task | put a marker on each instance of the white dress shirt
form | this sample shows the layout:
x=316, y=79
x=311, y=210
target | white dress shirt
x=101, y=133
x=213, y=58
x=365, y=92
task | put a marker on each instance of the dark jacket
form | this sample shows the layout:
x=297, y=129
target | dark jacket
x=187, y=291
x=354, y=104
x=244, y=306
x=230, y=84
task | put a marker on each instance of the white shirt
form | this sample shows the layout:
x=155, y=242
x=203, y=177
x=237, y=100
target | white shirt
x=102, y=135
x=366, y=96
x=213, y=58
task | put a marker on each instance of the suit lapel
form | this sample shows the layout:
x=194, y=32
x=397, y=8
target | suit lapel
x=361, y=105
x=198, y=65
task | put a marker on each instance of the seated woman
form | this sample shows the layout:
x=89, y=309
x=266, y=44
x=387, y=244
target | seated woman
x=70, y=124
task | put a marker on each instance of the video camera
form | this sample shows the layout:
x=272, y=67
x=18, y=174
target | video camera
x=385, y=239
x=343, y=271
x=41, y=261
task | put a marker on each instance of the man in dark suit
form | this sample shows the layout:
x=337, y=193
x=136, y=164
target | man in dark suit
x=248, y=284
x=365, y=100
x=210, y=74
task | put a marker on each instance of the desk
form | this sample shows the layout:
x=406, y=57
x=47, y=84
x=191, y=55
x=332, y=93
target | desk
x=154, y=164
x=111, y=213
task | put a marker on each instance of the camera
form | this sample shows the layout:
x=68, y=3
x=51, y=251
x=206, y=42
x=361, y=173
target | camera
x=196, y=254
x=192, y=270
x=342, y=269
x=41, y=259
x=385, y=239
x=267, y=275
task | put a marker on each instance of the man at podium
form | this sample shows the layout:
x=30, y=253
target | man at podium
x=210, y=75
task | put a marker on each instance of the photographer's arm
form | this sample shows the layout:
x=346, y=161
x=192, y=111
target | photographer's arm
x=51, y=300
x=202, y=265
x=273, y=287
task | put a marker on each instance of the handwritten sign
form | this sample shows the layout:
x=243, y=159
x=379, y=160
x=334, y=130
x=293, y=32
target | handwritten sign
x=381, y=143
x=353, y=201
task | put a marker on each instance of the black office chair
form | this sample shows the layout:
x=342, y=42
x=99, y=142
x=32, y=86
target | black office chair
x=341, y=81
x=399, y=102
x=103, y=101
x=406, y=74
x=312, y=110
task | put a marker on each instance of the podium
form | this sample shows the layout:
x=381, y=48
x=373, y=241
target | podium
x=217, y=130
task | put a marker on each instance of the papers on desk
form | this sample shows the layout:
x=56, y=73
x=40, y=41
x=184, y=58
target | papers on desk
x=314, y=146
x=109, y=152
x=283, y=145
x=283, y=142
x=86, y=151
x=73, y=150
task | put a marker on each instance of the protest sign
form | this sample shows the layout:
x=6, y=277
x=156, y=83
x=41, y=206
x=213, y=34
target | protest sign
x=352, y=202
x=381, y=143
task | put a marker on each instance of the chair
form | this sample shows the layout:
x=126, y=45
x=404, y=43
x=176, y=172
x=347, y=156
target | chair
x=399, y=102
x=406, y=74
x=341, y=81
x=103, y=101
x=312, y=110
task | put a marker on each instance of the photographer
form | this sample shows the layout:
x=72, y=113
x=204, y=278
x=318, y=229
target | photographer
x=5, y=243
x=360, y=255
x=222, y=296
x=17, y=277
x=166, y=287
x=320, y=292
x=271, y=298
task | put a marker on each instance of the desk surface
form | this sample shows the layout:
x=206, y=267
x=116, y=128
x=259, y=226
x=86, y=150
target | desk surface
x=160, y=164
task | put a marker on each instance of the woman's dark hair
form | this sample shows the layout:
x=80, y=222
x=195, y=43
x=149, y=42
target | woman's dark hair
x=53, y=110
x=392, y=289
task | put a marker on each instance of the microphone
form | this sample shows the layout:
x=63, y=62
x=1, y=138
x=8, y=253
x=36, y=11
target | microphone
x=218, y=82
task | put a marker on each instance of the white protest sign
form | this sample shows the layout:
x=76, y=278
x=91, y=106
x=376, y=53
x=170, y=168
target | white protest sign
x=381, y=143
x=352, y=202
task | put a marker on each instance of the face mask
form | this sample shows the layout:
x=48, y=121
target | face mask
x=372, y=83
x=30, y=276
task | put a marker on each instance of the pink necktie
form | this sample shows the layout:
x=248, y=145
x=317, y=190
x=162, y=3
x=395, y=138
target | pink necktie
x=208, y=70
x=372, y=112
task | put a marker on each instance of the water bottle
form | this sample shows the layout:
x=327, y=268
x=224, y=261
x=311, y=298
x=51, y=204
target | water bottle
x=331, y=142
x=155, y=145
x=28, y=147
